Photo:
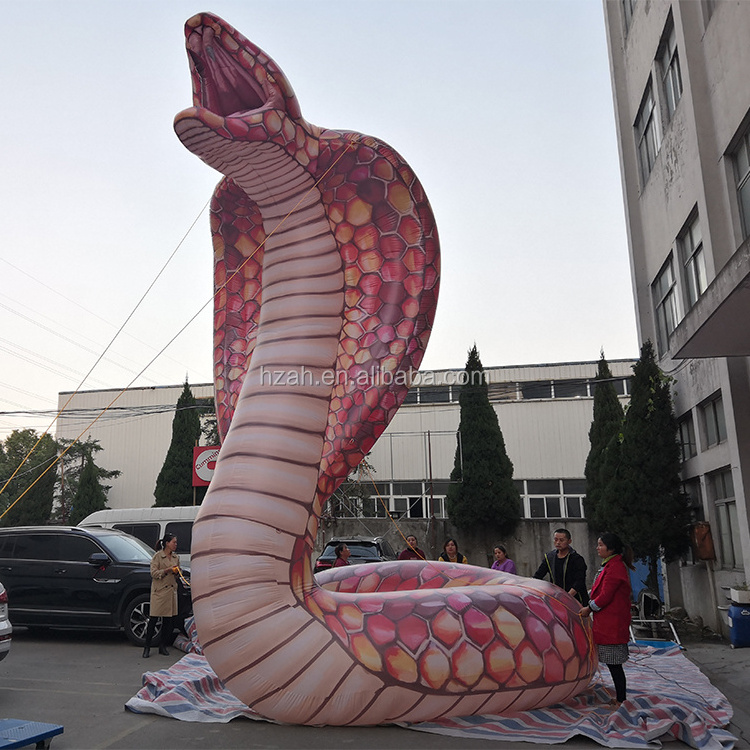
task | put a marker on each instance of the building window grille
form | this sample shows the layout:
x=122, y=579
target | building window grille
x=670, y=69
x=647, y=134
x=695, y=262
x=688, y=448
x=665, y=305
x=715, y=423
x=742, y=175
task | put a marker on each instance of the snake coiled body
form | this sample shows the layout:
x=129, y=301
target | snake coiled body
x=326, y=266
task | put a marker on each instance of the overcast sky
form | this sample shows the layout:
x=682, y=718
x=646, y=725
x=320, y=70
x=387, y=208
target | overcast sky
x=502, y=107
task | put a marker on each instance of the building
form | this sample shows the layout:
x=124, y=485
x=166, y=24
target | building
x=681, y=90
x=545, y=412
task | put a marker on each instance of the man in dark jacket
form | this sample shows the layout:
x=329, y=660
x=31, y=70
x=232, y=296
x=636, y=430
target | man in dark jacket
x=565, y=567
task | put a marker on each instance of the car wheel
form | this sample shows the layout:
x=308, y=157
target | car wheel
x=135, y=620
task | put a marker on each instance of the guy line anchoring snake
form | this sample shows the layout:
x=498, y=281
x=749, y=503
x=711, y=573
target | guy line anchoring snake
x=327, y=268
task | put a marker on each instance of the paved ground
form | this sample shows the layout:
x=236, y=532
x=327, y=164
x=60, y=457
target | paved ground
x=83, y=680
x=729, y=671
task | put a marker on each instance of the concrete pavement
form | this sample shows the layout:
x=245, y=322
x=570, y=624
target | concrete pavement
x=82, y=681
x=728, y=669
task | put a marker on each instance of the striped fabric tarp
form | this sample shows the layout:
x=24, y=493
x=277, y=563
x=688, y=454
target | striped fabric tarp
x=668, y=698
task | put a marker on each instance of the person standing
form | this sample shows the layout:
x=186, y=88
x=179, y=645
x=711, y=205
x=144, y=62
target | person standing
x=610, y=603
x=565, y=567
x=342, y=555
x=165, y=567
x=412, y=552
x=502, y=561
x=450, y=553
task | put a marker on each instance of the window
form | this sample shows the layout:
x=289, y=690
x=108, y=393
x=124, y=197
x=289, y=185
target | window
x=77, y=548
x=571, y=388
x=148, y=533
x=647, y=135
x=722, y=491
x=553, y=498
x=741, y=158
x=536, y=389
x=183, y=530
x=435, y=394
x=692, y=490
x=545, y=507
x=665, y=305
x=715, y=424
x=669, y=63
x=687, y=437
x=691, y=242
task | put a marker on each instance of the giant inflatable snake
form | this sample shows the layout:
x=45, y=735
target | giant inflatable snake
x=326, y=273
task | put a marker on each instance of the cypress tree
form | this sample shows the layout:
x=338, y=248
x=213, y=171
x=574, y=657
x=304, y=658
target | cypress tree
x=174, y=485
x=643, y=501
x=90, y=495
x=603, y=437
x=482, y=496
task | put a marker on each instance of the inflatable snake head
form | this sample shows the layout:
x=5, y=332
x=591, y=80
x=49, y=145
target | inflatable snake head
x=238, y=90
x=230, y=74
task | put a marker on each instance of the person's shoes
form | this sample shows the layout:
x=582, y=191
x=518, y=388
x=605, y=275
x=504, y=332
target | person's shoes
x=163, y=650
x=146, y=652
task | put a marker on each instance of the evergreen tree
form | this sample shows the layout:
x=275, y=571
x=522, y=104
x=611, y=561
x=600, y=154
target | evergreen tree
x=209, y=422
x=604, y=437
x=482, y=496
x=35, y=507
x=90, y=496
x=643, y=501
x=72, y=465
x=174, y=485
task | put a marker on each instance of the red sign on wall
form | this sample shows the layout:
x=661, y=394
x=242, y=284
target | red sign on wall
x=204, y=462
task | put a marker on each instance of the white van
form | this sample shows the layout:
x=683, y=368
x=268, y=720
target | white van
x=150, y=524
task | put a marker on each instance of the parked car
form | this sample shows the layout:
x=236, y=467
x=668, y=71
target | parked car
x=79, y=578
x=364, y=549
x=6, y=628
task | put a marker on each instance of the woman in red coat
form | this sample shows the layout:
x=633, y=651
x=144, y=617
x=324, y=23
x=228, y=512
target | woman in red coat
x=610, y=603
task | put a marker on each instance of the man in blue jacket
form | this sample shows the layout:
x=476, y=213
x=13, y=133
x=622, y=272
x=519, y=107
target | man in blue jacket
x=565, y=567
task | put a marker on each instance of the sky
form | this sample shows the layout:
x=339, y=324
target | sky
x=503, y=108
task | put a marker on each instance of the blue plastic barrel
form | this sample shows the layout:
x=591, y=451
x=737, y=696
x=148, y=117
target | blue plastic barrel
x=739, y=625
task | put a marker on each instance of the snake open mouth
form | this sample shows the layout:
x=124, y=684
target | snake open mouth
x=224, y=84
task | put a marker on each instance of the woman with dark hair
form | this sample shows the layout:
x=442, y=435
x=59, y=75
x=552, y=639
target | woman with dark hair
x=342, y=555
x=450, y=553
x=412, y=552
x=502, y=561
x=610, y=603
x=165, y=567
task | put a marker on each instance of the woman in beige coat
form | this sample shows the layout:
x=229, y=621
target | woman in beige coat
x=165, y=566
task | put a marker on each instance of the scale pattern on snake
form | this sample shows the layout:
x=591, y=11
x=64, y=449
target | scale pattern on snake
x=327, y=271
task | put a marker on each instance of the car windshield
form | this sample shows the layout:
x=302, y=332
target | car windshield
x=357, y=550
x=126, y=548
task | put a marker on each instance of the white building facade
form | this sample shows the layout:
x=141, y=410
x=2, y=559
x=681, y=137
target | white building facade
x=545, y=413
x=681, y=89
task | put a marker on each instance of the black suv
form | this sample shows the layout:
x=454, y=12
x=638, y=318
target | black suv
x=73, y=577
x=364, y=549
